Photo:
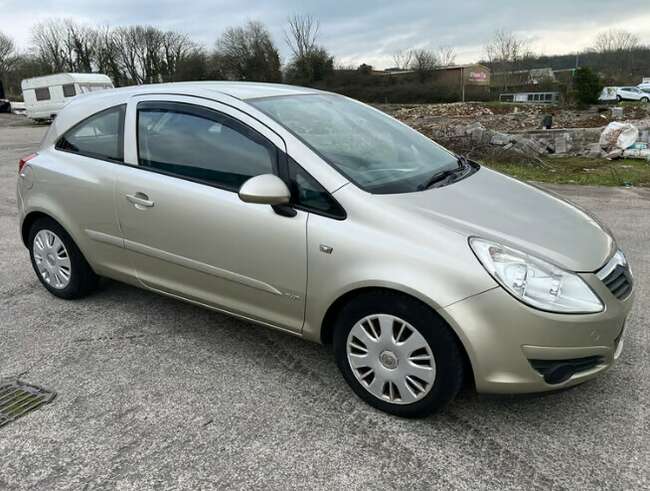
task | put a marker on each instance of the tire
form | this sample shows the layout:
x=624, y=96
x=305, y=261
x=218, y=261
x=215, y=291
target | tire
x=52, y=261
x=619, y=98
x=389, y=362
x=645, y=100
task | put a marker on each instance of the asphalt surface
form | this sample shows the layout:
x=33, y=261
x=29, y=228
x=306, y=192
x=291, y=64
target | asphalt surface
x=155, y=393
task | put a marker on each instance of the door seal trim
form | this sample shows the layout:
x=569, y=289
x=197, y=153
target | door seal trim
x=105, y=238
x=200, y=266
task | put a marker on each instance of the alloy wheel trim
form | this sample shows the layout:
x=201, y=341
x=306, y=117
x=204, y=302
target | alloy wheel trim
x=391, y=359
x=52, y=259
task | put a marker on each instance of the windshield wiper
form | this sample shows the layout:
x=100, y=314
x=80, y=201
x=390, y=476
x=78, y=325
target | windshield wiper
x=440, y=176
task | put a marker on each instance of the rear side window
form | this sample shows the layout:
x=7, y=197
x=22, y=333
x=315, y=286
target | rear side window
x=201, y=144
x=309, y=195
x=68, y=90
x=42, y=94
x=100, y=136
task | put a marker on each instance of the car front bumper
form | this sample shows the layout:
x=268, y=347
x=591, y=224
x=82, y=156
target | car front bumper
x=505, y=339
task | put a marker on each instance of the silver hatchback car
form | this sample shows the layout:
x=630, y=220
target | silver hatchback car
x=315, y=214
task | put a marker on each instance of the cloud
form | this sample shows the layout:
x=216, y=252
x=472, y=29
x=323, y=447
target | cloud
x=358, y=31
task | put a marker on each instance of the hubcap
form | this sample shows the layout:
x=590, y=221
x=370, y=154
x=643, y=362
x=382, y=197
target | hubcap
x=52, y=260
x=391, y=359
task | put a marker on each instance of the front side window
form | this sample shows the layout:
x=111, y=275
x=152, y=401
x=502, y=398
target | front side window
x=201, y=144
x=42, y=94
x=69, y=90
x=373, y=150
x=99, y=136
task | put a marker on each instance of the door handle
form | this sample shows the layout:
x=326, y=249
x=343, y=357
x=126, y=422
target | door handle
x=140, y=200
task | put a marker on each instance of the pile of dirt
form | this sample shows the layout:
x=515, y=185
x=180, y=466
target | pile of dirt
x=481, y=129
x=429, y=118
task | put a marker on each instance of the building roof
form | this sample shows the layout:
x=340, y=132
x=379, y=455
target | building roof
x=394, y=71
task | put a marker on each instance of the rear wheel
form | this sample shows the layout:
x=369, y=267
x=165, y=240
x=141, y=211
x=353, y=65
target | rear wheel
x=397, y=354
x=58, y=262
x=619, y=98
x=645, y=99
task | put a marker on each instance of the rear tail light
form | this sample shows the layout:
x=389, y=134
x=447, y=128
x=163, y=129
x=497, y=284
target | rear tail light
x=24, y=160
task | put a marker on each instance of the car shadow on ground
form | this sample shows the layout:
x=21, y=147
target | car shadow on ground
x=311, y=359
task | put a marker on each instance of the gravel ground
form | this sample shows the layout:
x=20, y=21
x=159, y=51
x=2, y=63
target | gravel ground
x=155, y=393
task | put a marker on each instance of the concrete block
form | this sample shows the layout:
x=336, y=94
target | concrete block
x=593, y=151
x=561, y=144
x=617, y=113
x=614, y=154
x=500, y=139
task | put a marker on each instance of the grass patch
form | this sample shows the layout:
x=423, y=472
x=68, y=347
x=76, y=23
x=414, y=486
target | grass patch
x=580, y=170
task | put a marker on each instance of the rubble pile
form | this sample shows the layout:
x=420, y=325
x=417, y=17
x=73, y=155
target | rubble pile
x=480, y=128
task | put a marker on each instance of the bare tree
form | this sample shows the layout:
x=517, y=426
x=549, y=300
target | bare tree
x=48, y=39
x=145, y=54
x=107, y=55
x=7, y=54
x=310, y=62
x=176, y=47
x=616, y=40
x=424, y=63
x=79, y=42
x=446, y=55
x=138, y=53
x=504, y=52
x=402, y=59
x=302, y=36
x=248, y=53
x=65, y=45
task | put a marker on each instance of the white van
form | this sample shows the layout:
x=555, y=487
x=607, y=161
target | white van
x=45, y=96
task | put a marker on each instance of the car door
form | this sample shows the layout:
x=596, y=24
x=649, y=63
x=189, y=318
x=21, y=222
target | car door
x=81, y=175
x=186, y=229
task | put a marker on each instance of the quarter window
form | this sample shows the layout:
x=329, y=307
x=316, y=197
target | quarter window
x=100, y=136
x=69, y=90
x=201, y=144
x=42, y=94
x=308, y=194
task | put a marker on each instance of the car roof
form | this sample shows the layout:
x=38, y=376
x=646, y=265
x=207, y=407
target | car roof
x=238, y=90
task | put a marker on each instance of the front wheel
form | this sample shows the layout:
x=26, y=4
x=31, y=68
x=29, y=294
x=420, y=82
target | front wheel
x=397, y=354
x=645, y=100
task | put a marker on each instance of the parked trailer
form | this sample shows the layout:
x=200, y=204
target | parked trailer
x=45, y=96
x=531, y=97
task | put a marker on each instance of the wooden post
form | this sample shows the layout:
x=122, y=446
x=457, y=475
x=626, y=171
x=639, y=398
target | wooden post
x=462, y=81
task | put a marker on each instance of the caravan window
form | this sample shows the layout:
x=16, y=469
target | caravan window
x=68, y=90
x=42, y=94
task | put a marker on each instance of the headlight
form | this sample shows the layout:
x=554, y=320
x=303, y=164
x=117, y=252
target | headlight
x=536, y=282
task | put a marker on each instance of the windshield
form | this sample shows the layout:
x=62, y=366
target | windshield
x=373, y=150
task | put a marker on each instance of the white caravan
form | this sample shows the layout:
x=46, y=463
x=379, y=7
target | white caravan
x=45, y=96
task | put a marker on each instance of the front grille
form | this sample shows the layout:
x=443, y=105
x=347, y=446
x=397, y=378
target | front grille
x=616, y=276
x=619, y=282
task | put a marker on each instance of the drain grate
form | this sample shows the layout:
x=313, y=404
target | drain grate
x=18, y=398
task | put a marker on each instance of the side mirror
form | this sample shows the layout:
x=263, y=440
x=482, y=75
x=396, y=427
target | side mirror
x=266, y=189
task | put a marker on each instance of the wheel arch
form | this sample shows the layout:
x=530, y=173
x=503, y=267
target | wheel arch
x=33, y=215
x=329, y=319
x=29, y=220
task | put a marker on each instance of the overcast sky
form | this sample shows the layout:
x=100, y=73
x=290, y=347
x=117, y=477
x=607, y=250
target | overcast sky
x=357, y=31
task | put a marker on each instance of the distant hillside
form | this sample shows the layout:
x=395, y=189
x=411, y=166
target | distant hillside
x=616, y=67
